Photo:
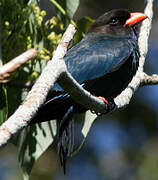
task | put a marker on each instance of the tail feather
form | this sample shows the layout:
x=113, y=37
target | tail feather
x=66, y=137
x=55, y=108
x=60, y=108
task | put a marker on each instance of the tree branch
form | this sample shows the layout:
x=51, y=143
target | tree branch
x=80, y=95
x=15, y=63
x=56, y=71
x=149, y=80
x=124, y=98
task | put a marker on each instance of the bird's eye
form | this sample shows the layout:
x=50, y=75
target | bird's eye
x=114, y=21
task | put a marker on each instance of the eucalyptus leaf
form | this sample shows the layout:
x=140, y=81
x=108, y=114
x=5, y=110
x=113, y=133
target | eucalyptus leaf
x=66, y=9
x=88, y=119
x=33, y=142
x=83, y=25
x=71, y=7
x=88, y=122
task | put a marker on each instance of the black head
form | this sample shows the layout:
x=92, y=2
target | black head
x=114, y=23
x=114, y=17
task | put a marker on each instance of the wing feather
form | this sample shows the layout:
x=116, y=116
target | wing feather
x=96, y=55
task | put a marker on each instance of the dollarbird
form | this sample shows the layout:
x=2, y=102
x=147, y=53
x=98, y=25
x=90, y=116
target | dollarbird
x=103, y=63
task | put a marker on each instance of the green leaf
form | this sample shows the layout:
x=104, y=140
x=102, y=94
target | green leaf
x=71, y=7
x=33, y=142
x=66, y=9
x=82, y=28
x=88, y=119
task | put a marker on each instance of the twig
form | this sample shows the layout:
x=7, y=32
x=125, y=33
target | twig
x=80, y=95
x=124, y=98
x=149, y=80
x=15, y=63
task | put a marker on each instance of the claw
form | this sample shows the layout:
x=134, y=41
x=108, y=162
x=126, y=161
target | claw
x=93, y=112
x=97, y=113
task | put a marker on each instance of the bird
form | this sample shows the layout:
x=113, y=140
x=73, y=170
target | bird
x=103, y=63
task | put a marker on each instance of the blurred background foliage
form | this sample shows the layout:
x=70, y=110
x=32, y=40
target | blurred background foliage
x=122, y=145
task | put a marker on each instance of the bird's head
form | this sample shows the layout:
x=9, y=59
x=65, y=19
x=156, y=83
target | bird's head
x=117, y=22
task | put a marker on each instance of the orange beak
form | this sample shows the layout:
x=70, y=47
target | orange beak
x=135, y=18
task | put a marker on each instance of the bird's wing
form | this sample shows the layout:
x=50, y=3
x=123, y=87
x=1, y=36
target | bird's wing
x=95, y=56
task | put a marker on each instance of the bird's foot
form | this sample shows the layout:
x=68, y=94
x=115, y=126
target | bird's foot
x=105, y=100
x=110, y=105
